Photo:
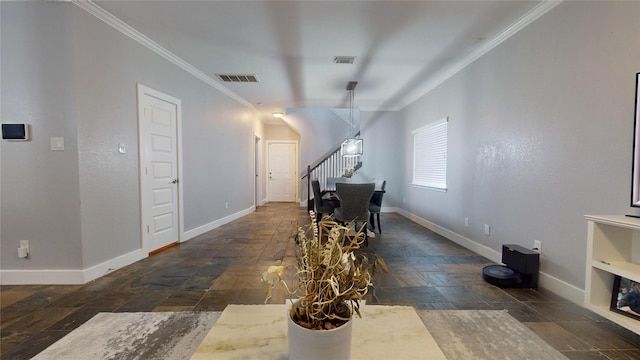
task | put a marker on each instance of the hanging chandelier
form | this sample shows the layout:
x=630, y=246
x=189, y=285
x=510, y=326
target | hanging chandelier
x=351, y=147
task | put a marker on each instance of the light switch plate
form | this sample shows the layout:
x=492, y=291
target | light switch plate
x=57, y=143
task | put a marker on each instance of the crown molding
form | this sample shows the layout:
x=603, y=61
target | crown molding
x=109, y=19
x=439, y=78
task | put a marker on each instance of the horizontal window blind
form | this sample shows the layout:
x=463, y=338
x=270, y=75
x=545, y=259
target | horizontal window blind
x=430, y=155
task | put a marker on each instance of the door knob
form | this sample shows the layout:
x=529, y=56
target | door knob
x=175, y=181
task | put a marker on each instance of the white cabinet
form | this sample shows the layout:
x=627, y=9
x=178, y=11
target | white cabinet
x=613, y=248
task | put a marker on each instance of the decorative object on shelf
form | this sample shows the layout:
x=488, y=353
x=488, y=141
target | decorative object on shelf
x=353, y=145
x=332, y=276
x=625, y=297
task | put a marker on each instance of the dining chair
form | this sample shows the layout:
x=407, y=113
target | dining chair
x=375, y=205
x=354, y=203
x=322, y=205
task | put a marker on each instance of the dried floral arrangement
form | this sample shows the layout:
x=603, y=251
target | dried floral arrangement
x=349, y=171
x=333, y=274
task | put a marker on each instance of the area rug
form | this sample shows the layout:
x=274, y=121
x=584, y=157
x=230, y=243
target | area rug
x=129, y=336
x=485, y=334
x=460, y=334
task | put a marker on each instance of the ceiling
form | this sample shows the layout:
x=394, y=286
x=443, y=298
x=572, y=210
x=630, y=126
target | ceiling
x=402, y=49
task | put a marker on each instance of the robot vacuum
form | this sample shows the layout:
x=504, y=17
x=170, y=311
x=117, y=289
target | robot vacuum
x=501, y=276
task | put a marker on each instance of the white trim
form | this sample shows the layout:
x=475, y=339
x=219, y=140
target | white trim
x=545, y=281
x=68, y=277
x=440, y=77
x=188, y=235
x=116, y=263
x=41, y=277
x=431, y=125
x=95, y=10
x=108, y=18
x=73, y=277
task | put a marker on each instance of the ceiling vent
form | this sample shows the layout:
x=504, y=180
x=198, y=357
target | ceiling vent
x=351, y=85
x=344, y=59
x=238, y=78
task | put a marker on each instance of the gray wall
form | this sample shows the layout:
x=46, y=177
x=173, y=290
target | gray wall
x=540, y=134
x=71, y=75
x=280, y=132
x=321, y=130
x=40, y=198
x=383, y=153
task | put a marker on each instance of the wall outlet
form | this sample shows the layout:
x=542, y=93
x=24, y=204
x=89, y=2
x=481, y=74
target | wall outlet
x=226, y=205
x=23, y=250
x=487, y=229
x=466, y=222
x=537, y=246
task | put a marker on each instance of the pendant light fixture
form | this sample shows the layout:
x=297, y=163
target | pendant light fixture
x=351, y=147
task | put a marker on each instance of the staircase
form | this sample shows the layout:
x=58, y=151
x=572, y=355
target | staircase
x=332, y=165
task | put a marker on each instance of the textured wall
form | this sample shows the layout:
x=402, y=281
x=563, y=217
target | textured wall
x=40, y=200
x=72, y=76
x=540, y=134
x=217, y=134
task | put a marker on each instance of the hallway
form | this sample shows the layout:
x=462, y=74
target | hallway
x=224, y=266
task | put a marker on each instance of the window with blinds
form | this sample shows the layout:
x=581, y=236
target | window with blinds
x=430, y=155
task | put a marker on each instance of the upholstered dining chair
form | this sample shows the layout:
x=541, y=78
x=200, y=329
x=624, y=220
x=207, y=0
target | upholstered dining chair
x=375, y=205
x=320, y=204
x=354, y=203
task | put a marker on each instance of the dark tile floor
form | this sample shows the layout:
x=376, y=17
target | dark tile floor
x=224, y=267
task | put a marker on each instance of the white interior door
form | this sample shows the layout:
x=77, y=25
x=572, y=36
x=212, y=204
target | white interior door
x=159, y=116
x=281, y=177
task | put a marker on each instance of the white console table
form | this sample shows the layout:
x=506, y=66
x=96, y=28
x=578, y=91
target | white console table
x=613, y=248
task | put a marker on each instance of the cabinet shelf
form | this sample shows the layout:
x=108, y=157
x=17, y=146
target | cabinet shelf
x=613, y=249
x=622, y=268
x=620, y=319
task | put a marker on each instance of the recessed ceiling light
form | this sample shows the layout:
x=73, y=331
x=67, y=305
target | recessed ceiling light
x=278, y=115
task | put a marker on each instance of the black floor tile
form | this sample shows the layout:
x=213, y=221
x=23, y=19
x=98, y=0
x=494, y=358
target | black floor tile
x=224, y=266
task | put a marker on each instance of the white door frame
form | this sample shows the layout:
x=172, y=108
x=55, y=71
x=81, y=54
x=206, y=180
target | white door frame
x=257, y=168
x=296, y=166
x=144, y=188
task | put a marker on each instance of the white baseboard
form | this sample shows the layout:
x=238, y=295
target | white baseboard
x=108, y=266
x=477, y=248
x=561, y=288
x=41, y=277
x=68, y=277
x=545, y=281
x=82, y=276
x=188, y=235
x=74, y=277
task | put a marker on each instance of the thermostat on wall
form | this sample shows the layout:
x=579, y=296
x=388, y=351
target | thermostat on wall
x=15, y=132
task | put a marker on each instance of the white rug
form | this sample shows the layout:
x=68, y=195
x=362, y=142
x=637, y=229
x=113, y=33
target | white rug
x=485, y=334
x=128, y=336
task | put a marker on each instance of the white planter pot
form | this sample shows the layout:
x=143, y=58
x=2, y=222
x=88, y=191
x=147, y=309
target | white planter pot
x=306, y=344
